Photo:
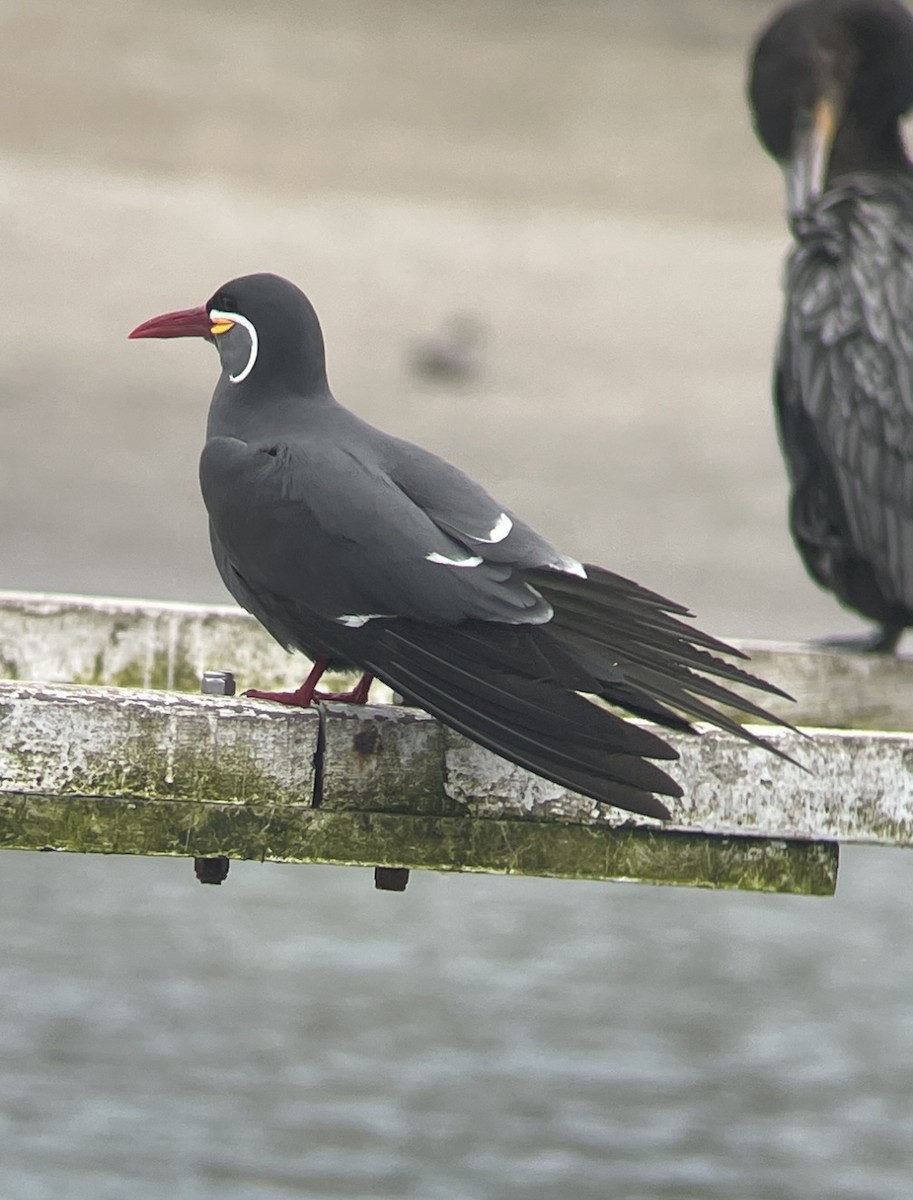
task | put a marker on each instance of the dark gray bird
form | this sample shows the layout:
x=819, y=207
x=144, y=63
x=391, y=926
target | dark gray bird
x=362, y=550
x=829, y=82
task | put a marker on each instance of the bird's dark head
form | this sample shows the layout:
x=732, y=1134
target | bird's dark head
x=265, y=330
x=828, y=83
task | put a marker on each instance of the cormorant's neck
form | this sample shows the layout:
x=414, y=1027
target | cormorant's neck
x=860, y=148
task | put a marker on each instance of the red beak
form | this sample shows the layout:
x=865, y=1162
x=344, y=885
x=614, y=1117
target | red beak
x=189, y=322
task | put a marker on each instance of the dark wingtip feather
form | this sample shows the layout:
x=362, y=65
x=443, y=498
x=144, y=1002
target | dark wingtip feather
x=633, y=625
x=520, y=719
x=520, y=691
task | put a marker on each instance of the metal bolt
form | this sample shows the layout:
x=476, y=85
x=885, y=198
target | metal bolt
x=211, y=870
x=214, y=870
x=391, y=879
x=217, y=683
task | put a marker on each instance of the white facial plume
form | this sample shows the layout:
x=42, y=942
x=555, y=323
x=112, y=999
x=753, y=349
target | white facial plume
x=236, y=319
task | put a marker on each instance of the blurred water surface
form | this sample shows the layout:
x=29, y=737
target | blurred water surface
x=583, y=178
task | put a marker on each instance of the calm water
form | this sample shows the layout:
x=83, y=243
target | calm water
x=582, y=177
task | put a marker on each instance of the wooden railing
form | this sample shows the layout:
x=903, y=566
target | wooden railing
x=107, y=746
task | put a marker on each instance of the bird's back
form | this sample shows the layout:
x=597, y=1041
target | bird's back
x=844, y=392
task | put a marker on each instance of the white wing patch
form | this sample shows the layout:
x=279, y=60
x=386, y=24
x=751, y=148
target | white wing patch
x=356, y=620
x=434, y=557
x=502, y=528
x=237, y=319
x=570, y=566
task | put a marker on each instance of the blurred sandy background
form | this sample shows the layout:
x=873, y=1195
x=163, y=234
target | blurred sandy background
x=582, y=176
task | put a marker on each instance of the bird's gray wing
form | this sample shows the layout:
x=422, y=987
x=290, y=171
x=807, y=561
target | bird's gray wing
x=463, y=510
x=844, y=393
x=331, y=529
x=271, y=616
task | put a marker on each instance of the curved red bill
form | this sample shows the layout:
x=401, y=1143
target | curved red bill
x=189, y=322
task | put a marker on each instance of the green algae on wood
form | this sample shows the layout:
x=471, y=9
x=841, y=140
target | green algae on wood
x=153, y=644
x=157, y=745
x=109, y=771
x=299, y=834
x=130, y=643
x=855, y=786
x=371, y=762
x=81, y=742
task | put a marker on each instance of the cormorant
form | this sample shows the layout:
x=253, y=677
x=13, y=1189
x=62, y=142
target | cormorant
x=829, y=83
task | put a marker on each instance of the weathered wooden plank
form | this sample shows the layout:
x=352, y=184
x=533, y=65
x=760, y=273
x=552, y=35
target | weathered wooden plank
x=83, y=742
x=371, y=762
x=133, y=643
x=294, y=833
x=117, y=771
x=835, y=690
x=87, y=742
x=136, y=643
x=122, y=771
x=855, y=787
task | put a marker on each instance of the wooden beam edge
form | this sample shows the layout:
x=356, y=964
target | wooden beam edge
x=285, y=833
x=143, y=643
x=80, y=742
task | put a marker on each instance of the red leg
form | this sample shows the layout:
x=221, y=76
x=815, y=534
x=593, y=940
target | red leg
x=307, y=693
x=358, y=694
x=304, y=695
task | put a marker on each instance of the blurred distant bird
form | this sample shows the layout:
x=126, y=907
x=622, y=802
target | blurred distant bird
x=454, y=355
x=829, y=82
x=363, y=550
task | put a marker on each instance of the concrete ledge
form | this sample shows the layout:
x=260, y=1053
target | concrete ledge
x=88, y=766
x=298, y=834
x=124, y=771
x=122, y=744
x=150, y=644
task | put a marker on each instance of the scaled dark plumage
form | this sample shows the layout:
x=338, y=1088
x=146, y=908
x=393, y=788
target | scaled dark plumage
x=362, y=550
x=829, y=81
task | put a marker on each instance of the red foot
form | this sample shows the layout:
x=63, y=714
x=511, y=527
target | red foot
x=292, y=699
x=358, y=694
x=307, y=693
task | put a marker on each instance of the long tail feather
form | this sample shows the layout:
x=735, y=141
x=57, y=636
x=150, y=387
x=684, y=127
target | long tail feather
x=634, y=629
x=516, y=718
x=521, y=690
x=619, y=606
